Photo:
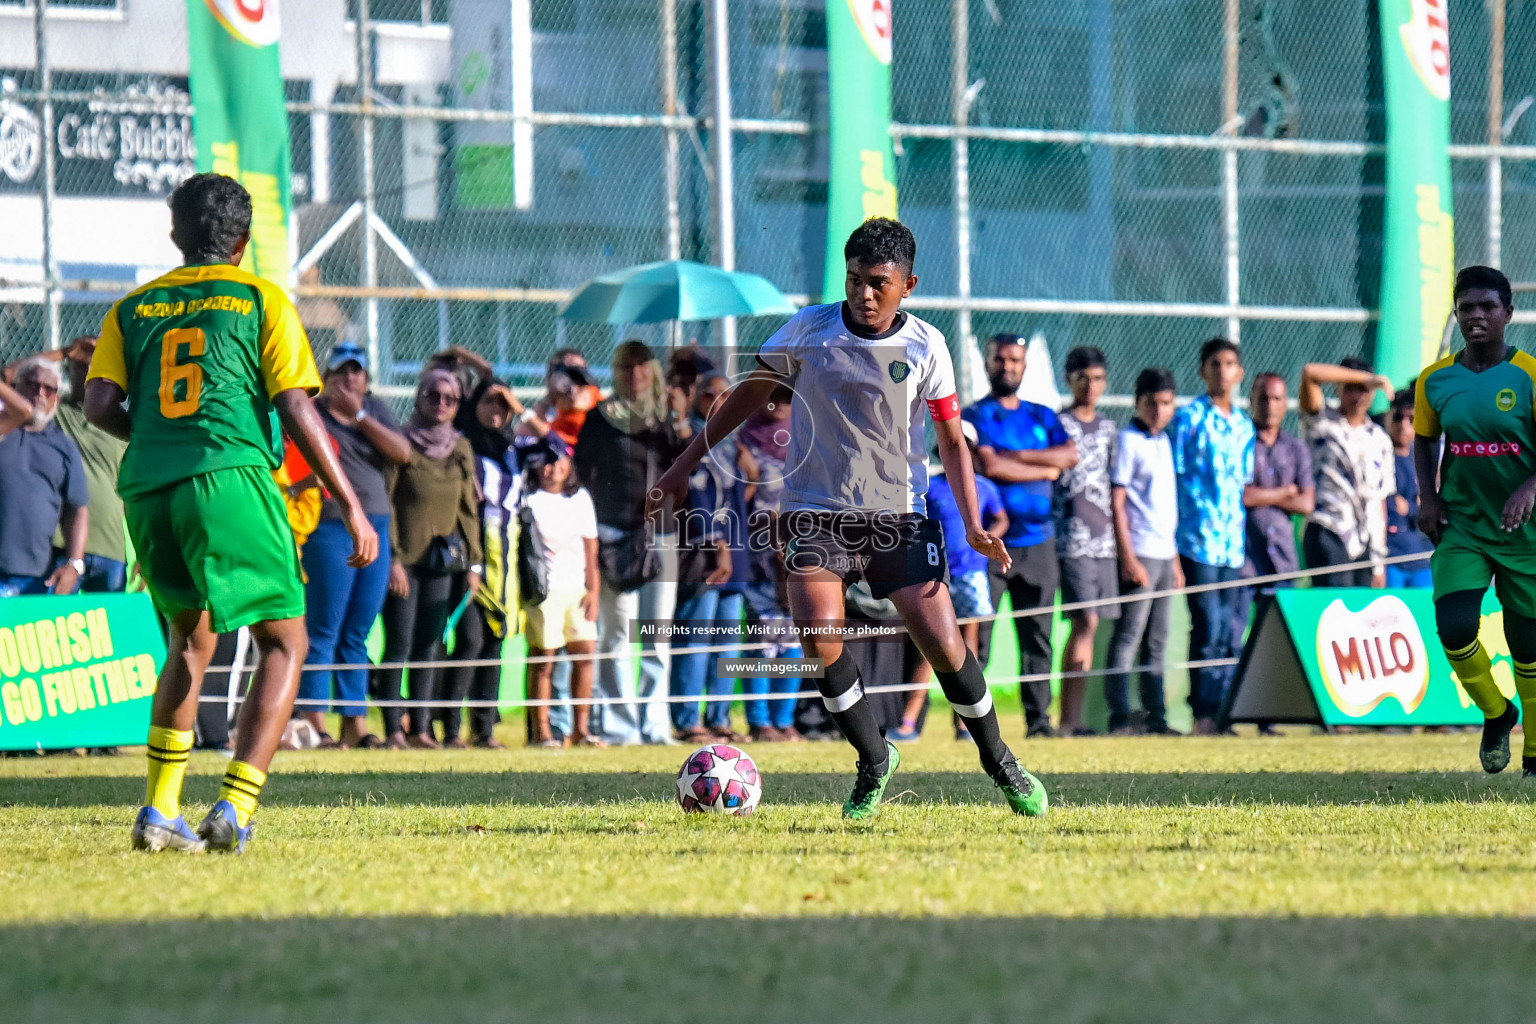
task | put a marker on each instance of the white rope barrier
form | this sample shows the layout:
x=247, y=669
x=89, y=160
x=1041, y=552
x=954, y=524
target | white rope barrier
x=677, y=651
x=1045, y=609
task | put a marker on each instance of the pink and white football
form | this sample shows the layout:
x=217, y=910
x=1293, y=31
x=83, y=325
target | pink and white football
x=719, y=779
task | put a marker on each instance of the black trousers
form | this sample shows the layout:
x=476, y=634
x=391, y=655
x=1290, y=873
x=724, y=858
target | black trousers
x=1322, y=548
x=474, y=641
x=413, y=631
x=1031, y=581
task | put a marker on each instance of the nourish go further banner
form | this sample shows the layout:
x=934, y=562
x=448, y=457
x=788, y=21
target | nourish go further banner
x=238, y=119
x=1417, y=267
x=77, y=671
x=863, y=175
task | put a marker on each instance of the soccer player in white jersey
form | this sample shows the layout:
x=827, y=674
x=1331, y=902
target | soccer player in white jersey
x=862, y=372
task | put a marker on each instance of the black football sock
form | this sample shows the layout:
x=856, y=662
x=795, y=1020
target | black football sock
x=843, y=695
x=967, y=693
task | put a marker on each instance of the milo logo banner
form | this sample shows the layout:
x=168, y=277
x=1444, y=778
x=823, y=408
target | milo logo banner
x=238, y=119
x=1352, y=656
x=863, y=160
x=77, y=671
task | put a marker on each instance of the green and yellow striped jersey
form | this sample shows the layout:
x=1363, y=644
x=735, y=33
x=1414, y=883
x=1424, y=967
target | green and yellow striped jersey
x=1489, y=423
x=201, y=352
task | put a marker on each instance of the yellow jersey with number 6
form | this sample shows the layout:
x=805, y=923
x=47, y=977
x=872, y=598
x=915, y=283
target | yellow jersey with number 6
x=201, y=352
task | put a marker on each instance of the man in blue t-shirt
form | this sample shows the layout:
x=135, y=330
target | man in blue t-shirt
x=1023, y=449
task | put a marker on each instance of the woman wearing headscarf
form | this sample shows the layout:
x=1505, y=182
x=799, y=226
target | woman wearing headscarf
x=625, y=444
x=435, y=544
x=485, y=624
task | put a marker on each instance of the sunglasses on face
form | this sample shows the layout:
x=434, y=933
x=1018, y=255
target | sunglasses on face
x=38, y=387
x=441, y=398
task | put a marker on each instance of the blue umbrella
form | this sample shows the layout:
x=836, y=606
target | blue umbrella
x=674, y=290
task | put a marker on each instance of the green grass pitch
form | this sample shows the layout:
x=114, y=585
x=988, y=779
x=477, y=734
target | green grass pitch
x=1360, y=877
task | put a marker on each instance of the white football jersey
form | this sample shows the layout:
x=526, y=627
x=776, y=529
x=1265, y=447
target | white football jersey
x=856, y=437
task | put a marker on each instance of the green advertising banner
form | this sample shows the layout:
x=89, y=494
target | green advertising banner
x=863, y=175
x=1417, y=267
x=77, y=671
x=238, y=120
x=1347, y=656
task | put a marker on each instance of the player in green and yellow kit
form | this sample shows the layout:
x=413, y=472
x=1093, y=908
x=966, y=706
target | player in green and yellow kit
x=1483, y=401
x=210, y=359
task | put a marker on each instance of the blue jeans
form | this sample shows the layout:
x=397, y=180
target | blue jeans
x=560, y=717
x=342, y=604
x=1406, y=576
x=102, y=575
x=1212, y=633
x=693, y=673
x=778, y=713
x=23, y=586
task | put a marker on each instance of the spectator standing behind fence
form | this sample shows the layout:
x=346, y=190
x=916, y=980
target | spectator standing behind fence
x=1144, y=495
x=1085, y=529
x=435, y=547
x=1023, y=450
x=106, y=549
x=43, y=487
x=626, y=443
x=969, y=589
x=342, y=603
x=570, y=395
x=713, y=573
x=1403, y=534
x=765, y=437
x=1353, y=465
x=1213, y=456
x=1281, y=487
x=484, y=626
x=566, y=619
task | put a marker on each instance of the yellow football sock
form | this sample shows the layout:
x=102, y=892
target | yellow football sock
x=242, y=786
x=168, y=753
x=1525, y=684
x=1475, y=671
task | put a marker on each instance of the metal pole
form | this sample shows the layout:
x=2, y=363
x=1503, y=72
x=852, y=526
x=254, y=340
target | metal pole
x=670, y=144
x=1496, y=132
x=1229, y=167
x=725, y=188
x=51, y=294
x=370, y=251
x=960, y=171
x=669, y=107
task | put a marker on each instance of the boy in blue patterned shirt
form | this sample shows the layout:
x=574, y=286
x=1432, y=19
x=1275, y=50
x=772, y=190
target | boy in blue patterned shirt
x=1213, y=456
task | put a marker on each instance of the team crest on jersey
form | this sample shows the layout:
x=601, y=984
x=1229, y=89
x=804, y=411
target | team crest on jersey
x=898, y=370
x=1505, y=400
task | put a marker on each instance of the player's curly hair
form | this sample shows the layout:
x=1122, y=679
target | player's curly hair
x=1468, y=278
x=210, y=213
x=882, y=240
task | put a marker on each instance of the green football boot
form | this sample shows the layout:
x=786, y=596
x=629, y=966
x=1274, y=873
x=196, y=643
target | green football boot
x=869, y=786
x=1023, y=791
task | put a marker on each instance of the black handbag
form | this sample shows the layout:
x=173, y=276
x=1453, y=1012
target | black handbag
x=446, y=556
x=532, y=569
x=628, y=562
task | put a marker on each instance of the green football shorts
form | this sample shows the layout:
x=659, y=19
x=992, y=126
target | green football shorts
x=1461, y=562
x=218, y=541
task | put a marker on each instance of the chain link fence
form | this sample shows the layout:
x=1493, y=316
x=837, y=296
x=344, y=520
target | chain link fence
x=1133, y=174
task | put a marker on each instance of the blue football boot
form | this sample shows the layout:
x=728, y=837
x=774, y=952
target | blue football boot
x=153, y=831
x=221, y=829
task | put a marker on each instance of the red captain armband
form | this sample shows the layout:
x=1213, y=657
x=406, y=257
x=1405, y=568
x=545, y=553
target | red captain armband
x=942, y=409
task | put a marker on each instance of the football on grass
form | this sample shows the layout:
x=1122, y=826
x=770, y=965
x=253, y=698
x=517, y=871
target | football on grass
x=719, y=779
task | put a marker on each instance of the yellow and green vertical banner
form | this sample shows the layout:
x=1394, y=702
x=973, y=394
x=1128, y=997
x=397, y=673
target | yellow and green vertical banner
x=863, y=175
x=238, y=120
x=1417, y=267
